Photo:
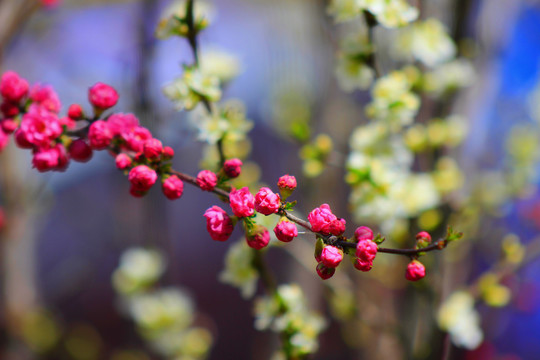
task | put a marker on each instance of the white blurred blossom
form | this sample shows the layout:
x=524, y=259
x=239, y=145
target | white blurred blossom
x=239, y=271
x=458, y=317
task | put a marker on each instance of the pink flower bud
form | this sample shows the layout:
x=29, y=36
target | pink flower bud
x=337, y=227
x=8, y=125
x=102, y=96
x=123, y=161
x=321, y=218
x=68, y=122
x=4, y=139
x=136, y=193
x=415, y=271
x=45, y=160
x=218, y=223
x=259, y=239
x=9, y=109
x=207, y=180
x=363, y=265
x=153, y=148
x=22, y=139
x=423, y=236
x=242, y=202
x=172, y=187
x=80, y=151
x=331, y=256
x=285, y=231
x=287, y=182
x=100, y=135
x=75, y=112
x=266, y=202
x=366, y=250
x=12, y=87
x=168, y=153
x=363, y=233
x=325, y=272
x=232, y=168
x=142, y=177
x=46, y=97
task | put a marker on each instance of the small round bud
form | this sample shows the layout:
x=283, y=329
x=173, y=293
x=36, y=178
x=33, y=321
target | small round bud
x=424, y=237
x=366, y=250
x=337, y=227
x=102, y=96
x=259, y=238
x=218, y=223
x=207, y=180
x=12, y=87
x=286, y=185
x=123, y=161
x=172, y=187
x=242, y=202
x=325, y=272
x=232, y=168
x=415, y=271
x=142, y=178
x=45, y=159
x=80, y=151
x=363, y=233
x=285, y=231
x=8, y=126
x=363, y=265
x=100, y=135
x=267, y=202
x=331, y=256
x=168, y=153
x=153, y=149
x=75, y=112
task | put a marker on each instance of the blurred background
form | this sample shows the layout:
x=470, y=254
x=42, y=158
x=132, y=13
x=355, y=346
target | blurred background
x=66, y=231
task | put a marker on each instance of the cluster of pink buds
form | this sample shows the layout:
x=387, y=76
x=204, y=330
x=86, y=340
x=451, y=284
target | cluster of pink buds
x=323, y=221
x=416, y=270
x=366, y=248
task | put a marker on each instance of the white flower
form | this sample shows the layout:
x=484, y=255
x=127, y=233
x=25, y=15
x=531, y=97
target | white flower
x=219, y=64
x=458, y=316
x=391, y=13
x=451, y=76
x=239, y=271
x=427, y=42
x=138, y=268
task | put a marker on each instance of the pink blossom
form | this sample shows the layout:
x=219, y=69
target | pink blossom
x=363, y=233
x=46, y=97
x=40, y=127
x=242, y=202
x=9, y=109
x=167, y=153
x=136, y=139
x=423, y=236
x=331, y=256
x=259, y=239
x=8, y=125
x=337, y=227
x=363, y=265
x=152, y=149
x=232, y=168
x=80, y=151
x=321, y=218
x=172, y=187
x=45, y=160
x=100, y=135
x=207, y=180
x=123, y=161
x=102, y=96
x=287, y=182
x=21, y=139
x=415, y=271
x=285, y=231
x=68, y=122
x=218, y=223
x=122, y=124
x=267, y=202
x=12, y=87
x=366, y=250
x=325, y=272
x=142, y=177
x=75, y=111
